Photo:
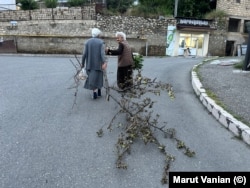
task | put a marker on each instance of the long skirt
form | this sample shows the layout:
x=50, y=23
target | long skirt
x=125, y=77
x=94, y=80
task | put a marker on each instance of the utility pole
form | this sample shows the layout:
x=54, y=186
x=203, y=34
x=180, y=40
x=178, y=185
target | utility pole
x=176, y=8
x=247, y=56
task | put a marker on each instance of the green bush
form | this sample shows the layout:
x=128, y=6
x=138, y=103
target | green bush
x=138, y=59
x=28, y=4
x=216, y=15
x=76, y=3
x=51, y=3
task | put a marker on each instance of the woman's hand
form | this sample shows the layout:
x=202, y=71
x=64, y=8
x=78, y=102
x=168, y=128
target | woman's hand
x=106, y=50
x=104, y=65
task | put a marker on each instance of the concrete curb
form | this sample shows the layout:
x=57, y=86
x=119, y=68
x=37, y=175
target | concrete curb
x=236, y=127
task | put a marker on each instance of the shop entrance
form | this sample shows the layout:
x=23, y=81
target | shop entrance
x=191, y=44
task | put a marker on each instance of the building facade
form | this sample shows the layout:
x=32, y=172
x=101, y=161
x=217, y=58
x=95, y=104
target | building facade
x=201, y=37
x=238, y=12
x=189, y=37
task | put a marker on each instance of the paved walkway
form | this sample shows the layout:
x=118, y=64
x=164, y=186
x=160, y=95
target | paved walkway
x=231, y=87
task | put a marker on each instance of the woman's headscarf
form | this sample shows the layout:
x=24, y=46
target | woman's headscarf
x=96, y=32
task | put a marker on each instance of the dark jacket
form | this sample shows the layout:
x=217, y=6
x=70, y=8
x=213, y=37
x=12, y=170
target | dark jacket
x=124, y=53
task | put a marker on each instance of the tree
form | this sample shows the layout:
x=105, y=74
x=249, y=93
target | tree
x=186, y=8
x=194, y=8
x=28, y=4
x=247, y=56
x=75, y=3
x=120, y=6
x=51, y=3
x=158, y=7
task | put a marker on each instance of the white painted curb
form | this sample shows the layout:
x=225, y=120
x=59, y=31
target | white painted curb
x=236, y=127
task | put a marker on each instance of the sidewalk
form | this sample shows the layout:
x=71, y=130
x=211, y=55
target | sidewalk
x=231, y=87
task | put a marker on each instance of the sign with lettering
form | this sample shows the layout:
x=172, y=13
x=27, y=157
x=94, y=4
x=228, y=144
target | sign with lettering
x=194, y=22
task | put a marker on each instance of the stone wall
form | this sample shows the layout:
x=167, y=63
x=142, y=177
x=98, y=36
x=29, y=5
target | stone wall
x=217, y=44
x=60, y=13
x=217, y=39
x=61, y=36
x=234, y=7
x=146, y=36
x=65, y=44
x=237, y=9
x=153, y=30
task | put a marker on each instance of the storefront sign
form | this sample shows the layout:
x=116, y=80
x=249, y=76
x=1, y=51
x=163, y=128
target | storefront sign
x=170, y=40
x=194, y=22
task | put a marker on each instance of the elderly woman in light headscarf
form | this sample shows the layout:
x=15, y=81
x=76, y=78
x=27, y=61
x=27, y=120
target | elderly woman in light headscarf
x=94, y=61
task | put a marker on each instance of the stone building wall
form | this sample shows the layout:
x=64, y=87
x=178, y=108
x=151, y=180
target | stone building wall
x=234, y=7
x=233, y=31
x=217, y=44
x=217, y=39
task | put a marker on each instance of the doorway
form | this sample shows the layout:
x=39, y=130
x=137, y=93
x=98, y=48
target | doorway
x=193, y=42
x=229, y=48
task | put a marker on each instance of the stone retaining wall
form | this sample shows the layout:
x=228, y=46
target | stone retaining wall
x=60, y=13
x=69, y=29
x=147, y=36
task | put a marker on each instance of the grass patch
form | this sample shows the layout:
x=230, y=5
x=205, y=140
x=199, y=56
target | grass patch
x=239, y=65
x=196, y=70
x=212, y=95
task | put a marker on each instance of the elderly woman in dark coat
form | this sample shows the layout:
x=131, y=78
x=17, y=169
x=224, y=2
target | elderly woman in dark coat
x=125, y=61
x=95, y=60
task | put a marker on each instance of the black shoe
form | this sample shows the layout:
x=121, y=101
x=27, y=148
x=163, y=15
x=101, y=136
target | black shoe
x=94, y=95
x=99, y=93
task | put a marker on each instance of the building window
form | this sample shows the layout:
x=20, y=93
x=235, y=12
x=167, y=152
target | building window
x=245, y=26
x=234, y=25
x=191, y=42
x=237, y=1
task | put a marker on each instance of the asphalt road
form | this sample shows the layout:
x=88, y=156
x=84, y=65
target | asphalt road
x=44, y=142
